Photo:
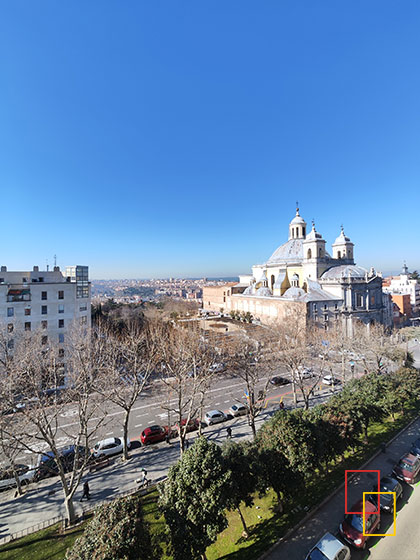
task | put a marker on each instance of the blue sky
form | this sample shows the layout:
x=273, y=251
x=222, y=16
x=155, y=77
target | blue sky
x=151, y=139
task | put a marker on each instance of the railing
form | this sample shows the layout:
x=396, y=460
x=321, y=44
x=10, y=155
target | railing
x=85, y=511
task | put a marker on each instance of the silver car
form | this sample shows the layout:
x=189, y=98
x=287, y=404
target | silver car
x=26, y=475
x=214, y=417
x=329, y=548
x=238, y=410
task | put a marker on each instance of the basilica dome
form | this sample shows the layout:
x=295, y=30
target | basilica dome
x=291, y=251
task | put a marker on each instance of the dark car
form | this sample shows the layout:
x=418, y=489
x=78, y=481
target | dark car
x=386, y=501
x=278, y=380
x=153, y=434
x=47, y=465
x=351, y=529
x=408, y=468
x=415, y=448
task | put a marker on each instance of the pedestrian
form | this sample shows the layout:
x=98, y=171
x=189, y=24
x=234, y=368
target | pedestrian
x=143, y=478
x=86, y=491
x=229, y=432
x=168, y=438
x=281, y=405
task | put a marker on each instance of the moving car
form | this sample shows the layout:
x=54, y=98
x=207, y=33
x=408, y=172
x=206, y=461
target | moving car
x=415, y=448
x=351, y=529
x=47, y=466
x=408, y=468
x=26, y=474
x=153, y=434
x=214, y=417
x=329, y=548
x=109, y=446
x=386, y=501
x=238, y=410
x=278, y=380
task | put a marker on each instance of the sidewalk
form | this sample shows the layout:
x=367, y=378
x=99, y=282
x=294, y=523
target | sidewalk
x=329, y=516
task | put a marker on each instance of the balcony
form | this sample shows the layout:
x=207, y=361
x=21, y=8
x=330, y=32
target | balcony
x=18, y=295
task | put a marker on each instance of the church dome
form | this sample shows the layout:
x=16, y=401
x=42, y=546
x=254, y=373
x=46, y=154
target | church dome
x=291, y=251
x=294, y=293
x=263, y=291
x=344, y=271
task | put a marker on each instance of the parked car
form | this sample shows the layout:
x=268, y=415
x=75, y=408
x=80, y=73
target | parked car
x=238, y=410
x=415, y=448
x=26, y=474
x=408, y=468
x=193, y=424
x=329, y=548
x=217, y=368
x=214, y=417
x=153, y=434
x=386, y=501
x=330, y=380
x=351, y=529
x=47, y=466
x=109, y=446
x=278, y=380
x=305, y=372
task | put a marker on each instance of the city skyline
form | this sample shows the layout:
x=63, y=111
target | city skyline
x=154, y=143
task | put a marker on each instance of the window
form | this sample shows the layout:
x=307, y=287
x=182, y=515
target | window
x=10, y=327
x=44, y=339
x=320, y=252
x=44, y=309
x=60, y=308
x=10, y=311
x=336, y=306
x=84, y=307
x=359, y=300
x=83, y=320
x=309, y=254
x=326, y=317
x=44, y=324
x=43, y=295
x=315, y=308
x=24, y=280
x=41, y=279
x=27, y=311
x=372, y=299
x=339, y=254
x=60, y=323
x=61, y=338
x=1, y=279
x=27, y=326
x=10, y=344
x=61, y=352
x=61, y=294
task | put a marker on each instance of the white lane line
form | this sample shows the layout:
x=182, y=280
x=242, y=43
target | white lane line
x=226, y=401
x=109, y=433
x=152, y=422
x=216, y=403
x=138, y=426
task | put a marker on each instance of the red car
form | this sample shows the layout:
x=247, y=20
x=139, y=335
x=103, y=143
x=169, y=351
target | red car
x=153, y=434
x=193, y=425
x=408, y=468
x=351, y=528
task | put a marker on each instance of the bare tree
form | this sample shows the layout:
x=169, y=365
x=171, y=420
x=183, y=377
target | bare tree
x=376, y=348
x=185, y=362
x=130, y=360
x=38, y=369
x=252, y=361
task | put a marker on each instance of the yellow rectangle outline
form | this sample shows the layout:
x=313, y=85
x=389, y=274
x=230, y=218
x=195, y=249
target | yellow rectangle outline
x=395, y=516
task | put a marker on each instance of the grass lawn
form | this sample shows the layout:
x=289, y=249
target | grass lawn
x=265, y=526
x=48, y=543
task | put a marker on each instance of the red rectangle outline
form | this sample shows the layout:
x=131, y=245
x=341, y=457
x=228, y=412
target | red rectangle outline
x=345, y=490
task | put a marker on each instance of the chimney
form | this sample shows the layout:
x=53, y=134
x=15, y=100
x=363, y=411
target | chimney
x=56, y=269
x=4, y=269
x=36, y=268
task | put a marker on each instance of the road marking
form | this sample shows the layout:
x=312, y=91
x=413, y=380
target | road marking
x=109, y=433
x=226, y=401
x=216, y=404
x=138, y=426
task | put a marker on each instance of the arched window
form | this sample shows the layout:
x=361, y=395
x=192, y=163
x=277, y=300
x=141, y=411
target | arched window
x=309, y=254
x=304, y=232
x=339, y=254
x=320, y=252
x=359, y=300
x=272, y=281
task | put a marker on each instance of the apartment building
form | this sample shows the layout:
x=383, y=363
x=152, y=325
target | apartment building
x=48, y=300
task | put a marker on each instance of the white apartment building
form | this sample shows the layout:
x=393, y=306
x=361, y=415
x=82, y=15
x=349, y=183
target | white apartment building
x=47, y=300
x=403, y=284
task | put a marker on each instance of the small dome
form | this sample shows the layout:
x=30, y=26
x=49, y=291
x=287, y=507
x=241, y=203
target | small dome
x=313, y=235
x=344, y=271
x=295, y=276
x=263, y=291
x=250, y=291
x=298, y=219
x=342, y=239
x=294, y=293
